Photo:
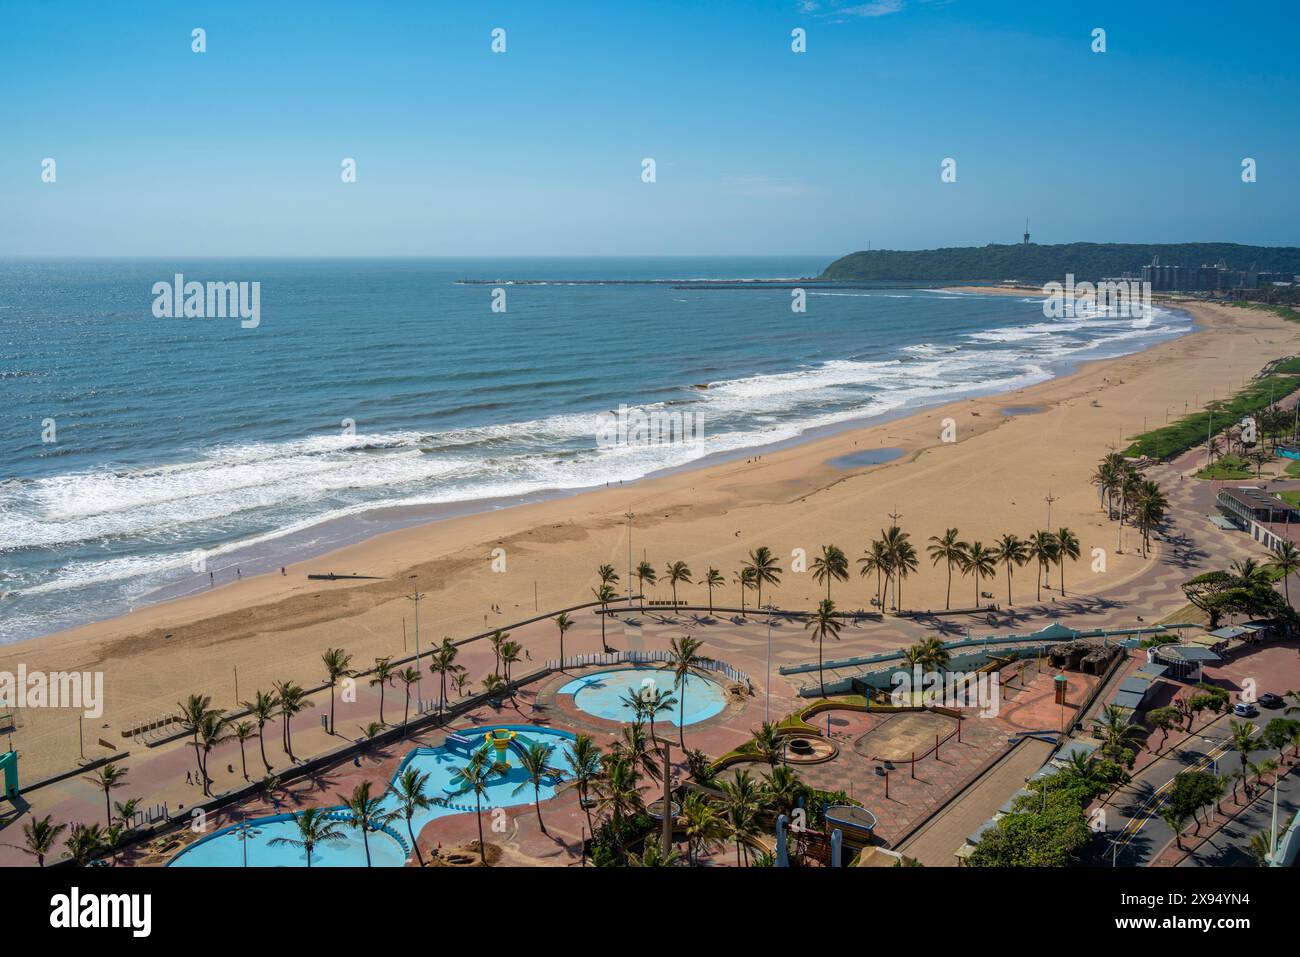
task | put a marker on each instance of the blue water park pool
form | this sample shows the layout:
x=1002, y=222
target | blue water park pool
x=251, y=845
x=602, y=694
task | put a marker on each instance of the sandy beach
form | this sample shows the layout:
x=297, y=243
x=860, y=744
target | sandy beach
x=993, y=479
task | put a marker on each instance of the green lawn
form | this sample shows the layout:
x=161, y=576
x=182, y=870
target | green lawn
x=1228, y=467
x=1293, y=469
x=1291, y=498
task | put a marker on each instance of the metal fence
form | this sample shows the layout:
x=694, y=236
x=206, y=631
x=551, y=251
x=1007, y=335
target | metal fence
x=644, y=658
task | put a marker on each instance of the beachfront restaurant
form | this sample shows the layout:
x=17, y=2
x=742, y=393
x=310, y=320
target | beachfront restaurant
x=1249, y=505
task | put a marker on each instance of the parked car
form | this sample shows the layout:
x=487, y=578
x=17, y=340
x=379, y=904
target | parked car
x=1270, y=700
x=1244, y=709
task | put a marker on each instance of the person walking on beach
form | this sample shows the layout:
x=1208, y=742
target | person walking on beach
x=211, y=579
x=238, y=575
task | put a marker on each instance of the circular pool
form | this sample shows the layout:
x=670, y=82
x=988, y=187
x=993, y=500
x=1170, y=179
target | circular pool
x=606, y=694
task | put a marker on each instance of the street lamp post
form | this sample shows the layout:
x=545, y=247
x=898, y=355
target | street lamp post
x=629, y=515
x=415, y=596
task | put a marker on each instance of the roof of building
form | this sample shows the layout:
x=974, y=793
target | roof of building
x=1153, y=669
x=1252, y=497
x=1187, y=653
x=1228, y=631
x=1128, y=699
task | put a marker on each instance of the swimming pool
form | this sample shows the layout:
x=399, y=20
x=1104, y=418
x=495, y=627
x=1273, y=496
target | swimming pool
x=602, y=694
x=226, y=848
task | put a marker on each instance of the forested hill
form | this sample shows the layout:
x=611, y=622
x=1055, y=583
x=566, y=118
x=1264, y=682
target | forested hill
x=1090, y=261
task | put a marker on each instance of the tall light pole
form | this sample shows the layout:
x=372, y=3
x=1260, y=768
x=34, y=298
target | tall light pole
x=767, y=702
x=415, y=596
x=1049, y=500
x=629, y=515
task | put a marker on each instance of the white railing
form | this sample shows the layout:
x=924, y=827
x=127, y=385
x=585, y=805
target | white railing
x=646, y=657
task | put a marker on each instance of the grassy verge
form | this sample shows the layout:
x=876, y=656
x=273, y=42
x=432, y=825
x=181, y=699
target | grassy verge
x=1228, y=467
x=1190, y=431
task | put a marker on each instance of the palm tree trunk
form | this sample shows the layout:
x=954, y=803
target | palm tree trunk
x=365, y=839
x=947, y=599
x=261, y=744
x=537, y=803
x=243, y=761
x=681, y=720
x=821, y=675
x=331, y=707
x=414, y=843
x=478, y=808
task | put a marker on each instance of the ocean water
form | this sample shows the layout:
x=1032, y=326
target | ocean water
x=379, y=393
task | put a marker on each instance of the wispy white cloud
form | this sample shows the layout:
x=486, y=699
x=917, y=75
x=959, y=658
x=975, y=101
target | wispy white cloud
x=843, y=9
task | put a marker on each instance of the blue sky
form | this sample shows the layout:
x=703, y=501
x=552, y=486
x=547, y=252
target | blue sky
x=237, y=151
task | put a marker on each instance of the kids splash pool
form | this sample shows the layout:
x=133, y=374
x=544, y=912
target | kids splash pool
x=254, y=844
x=606, y=694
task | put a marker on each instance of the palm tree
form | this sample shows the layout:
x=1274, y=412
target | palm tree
x=510, y=657
x=212, y=732
x=314, y=828
x=902, y=560
x=382, y=675
x=496, y=640
x=604, y=595
x=1119, y=736
x=1260, y=848
x=767, y=743
x=656, y=701
x=783, y=789
x=950, y=550
x=706, y=830
x=645, y=572
x=933, y=654
x=584, y=760
x=765, y=570
x=740, y=804
x=411, y=798
x=980, y=562
x=192, y=711
x=652, y=855
x=1286, y=560
x=1041, y=548
x=1067, y=546
x=262, y=709
x=713, y=579
x=682, y=661
x=476, y=776
x=876, y=560
x=678, y=572
x=337, y=665
x=291, y=700
x=1149, y=506
x=366, y=814
x=443, y=663
x=1010, y=551
x=617, y=791
x=563, y=622
x=831, y=565
x=636, y=751
x=535, y=760
x=39, y=836
x=85, y=843
x=607, y=574
x=823, y=622
x=108, y=778
x=745, y=579
x=242, y=731
x=124, y=812
x=407, y=676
